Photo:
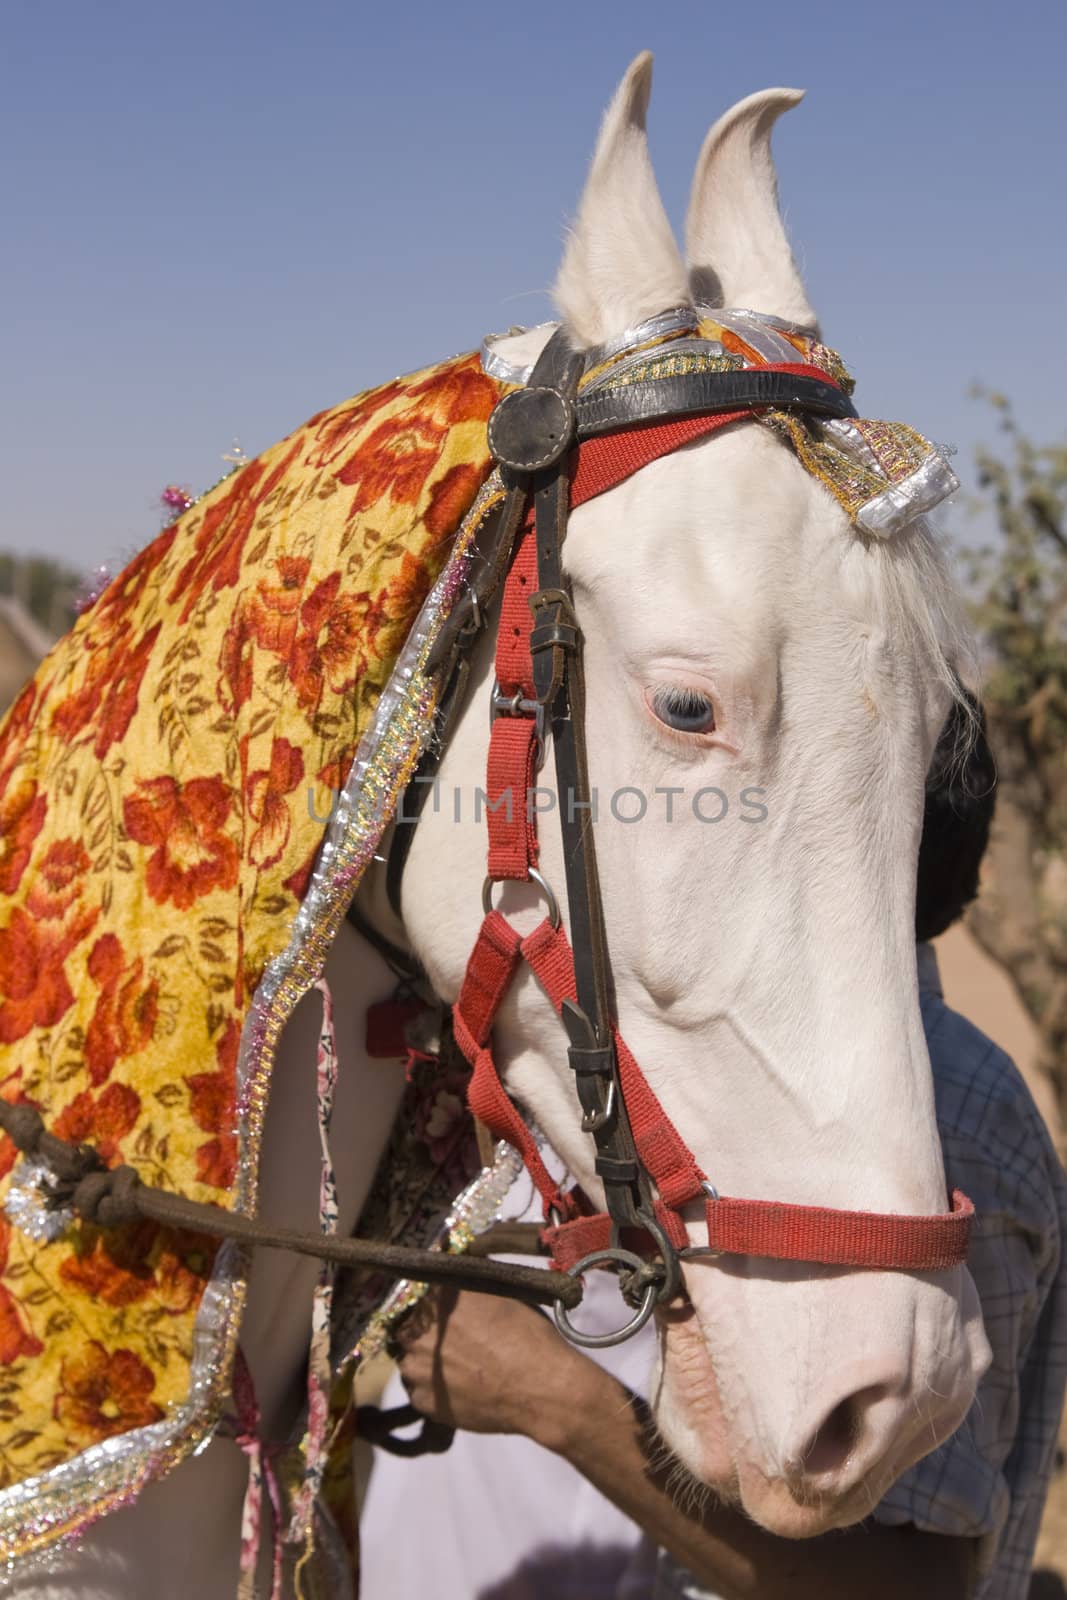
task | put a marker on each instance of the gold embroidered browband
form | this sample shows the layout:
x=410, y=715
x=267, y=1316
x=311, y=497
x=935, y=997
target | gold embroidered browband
x=883, y=474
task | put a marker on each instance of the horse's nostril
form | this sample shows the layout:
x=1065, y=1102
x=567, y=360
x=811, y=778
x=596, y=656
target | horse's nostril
x=837, y=1436
x=829, y=1445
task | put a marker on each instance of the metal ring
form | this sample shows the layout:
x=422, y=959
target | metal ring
x=672, y=1276
x=541, y=882
x=601, y=1341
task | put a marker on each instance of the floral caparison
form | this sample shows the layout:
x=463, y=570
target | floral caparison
x=157, y=833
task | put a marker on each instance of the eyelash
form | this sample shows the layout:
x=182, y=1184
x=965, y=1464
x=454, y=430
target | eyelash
x=694, y=709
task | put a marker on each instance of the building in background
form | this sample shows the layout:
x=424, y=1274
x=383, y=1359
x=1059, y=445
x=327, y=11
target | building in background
x=38, y=603
x=23, y=643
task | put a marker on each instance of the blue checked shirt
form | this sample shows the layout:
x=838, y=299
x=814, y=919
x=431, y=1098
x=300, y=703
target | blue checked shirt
x=988, y=1481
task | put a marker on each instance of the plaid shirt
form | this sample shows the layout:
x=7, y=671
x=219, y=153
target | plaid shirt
x=988, y=1481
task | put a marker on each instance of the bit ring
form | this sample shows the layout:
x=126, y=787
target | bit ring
x=602, y=1341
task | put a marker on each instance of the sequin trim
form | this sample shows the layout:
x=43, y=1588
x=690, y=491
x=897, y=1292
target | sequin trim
x=474, y=1210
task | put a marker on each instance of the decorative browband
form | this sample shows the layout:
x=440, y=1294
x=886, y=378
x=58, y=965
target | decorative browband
x=699, y=360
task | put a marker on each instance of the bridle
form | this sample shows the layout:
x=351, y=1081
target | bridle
x=646, y=1170
x=557, y=443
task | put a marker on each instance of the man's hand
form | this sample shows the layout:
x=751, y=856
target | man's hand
x=492, y=1366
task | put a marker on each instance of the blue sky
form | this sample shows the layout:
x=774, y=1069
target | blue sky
x=218, y=217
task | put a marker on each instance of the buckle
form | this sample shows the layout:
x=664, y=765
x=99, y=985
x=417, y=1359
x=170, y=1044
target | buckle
x=555, y=623
x=513, y=705
x=555, y=636
x=517, y=705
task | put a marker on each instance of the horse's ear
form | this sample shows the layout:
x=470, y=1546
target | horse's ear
x=621, y=264
x=735, y=239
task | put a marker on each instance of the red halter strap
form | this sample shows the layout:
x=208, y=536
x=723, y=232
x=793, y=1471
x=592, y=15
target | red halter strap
x=816, y=1234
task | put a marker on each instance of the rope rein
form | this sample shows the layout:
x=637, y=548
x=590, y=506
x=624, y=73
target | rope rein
x=112, y=1197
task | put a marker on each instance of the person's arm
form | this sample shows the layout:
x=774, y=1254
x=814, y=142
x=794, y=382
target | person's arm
x=494, y=1366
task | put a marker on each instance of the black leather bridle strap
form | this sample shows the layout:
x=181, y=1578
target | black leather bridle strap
x=545, y=413
x=450, y=656
x=701, y=394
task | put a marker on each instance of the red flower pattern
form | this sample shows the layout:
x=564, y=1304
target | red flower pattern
x=183, y=824
x=58, y=879
x=328, y=648
x=119, y=699
x=125, y=592
x=297, y=882
x=109, y=693
x=394, y=460
x=334, y=775
x=121, y=1266
x=273, y=608
x=15, y=1338
x=126, y=1012
x=220, y=540
x=269, y=617
x=104, y=1393
x=450, y=499
x=18, y=722
x=213, y=1105
x=22, y=814
x=188, y=833
x=265, y=793
x=100, y=1120
x=396, y=604
x=334, y=430
x=183, y=1269
x=461, y=393
x=33, y=979
x=108, y=1267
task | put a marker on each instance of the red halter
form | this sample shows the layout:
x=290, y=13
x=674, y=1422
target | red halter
x=741, y=1227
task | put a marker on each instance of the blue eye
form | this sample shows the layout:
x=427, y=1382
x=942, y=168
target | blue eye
x=686, y=710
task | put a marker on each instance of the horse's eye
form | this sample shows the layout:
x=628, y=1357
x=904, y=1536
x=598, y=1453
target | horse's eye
x=687, y=710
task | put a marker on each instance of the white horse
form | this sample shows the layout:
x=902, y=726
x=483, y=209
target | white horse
x=764, y=974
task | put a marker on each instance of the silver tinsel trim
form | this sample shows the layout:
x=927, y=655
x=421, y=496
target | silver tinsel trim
x=474, y=1210
x=27, y=1203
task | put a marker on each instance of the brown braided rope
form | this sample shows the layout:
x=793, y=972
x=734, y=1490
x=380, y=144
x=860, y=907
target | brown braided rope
x=112, y=1197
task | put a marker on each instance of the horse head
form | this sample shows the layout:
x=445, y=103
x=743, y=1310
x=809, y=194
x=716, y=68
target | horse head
x=769, y=682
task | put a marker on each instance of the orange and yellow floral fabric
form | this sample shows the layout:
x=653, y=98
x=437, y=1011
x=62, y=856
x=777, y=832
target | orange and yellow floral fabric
x=163, y=784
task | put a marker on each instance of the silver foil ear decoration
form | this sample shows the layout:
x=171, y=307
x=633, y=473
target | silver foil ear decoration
x=914, y=473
